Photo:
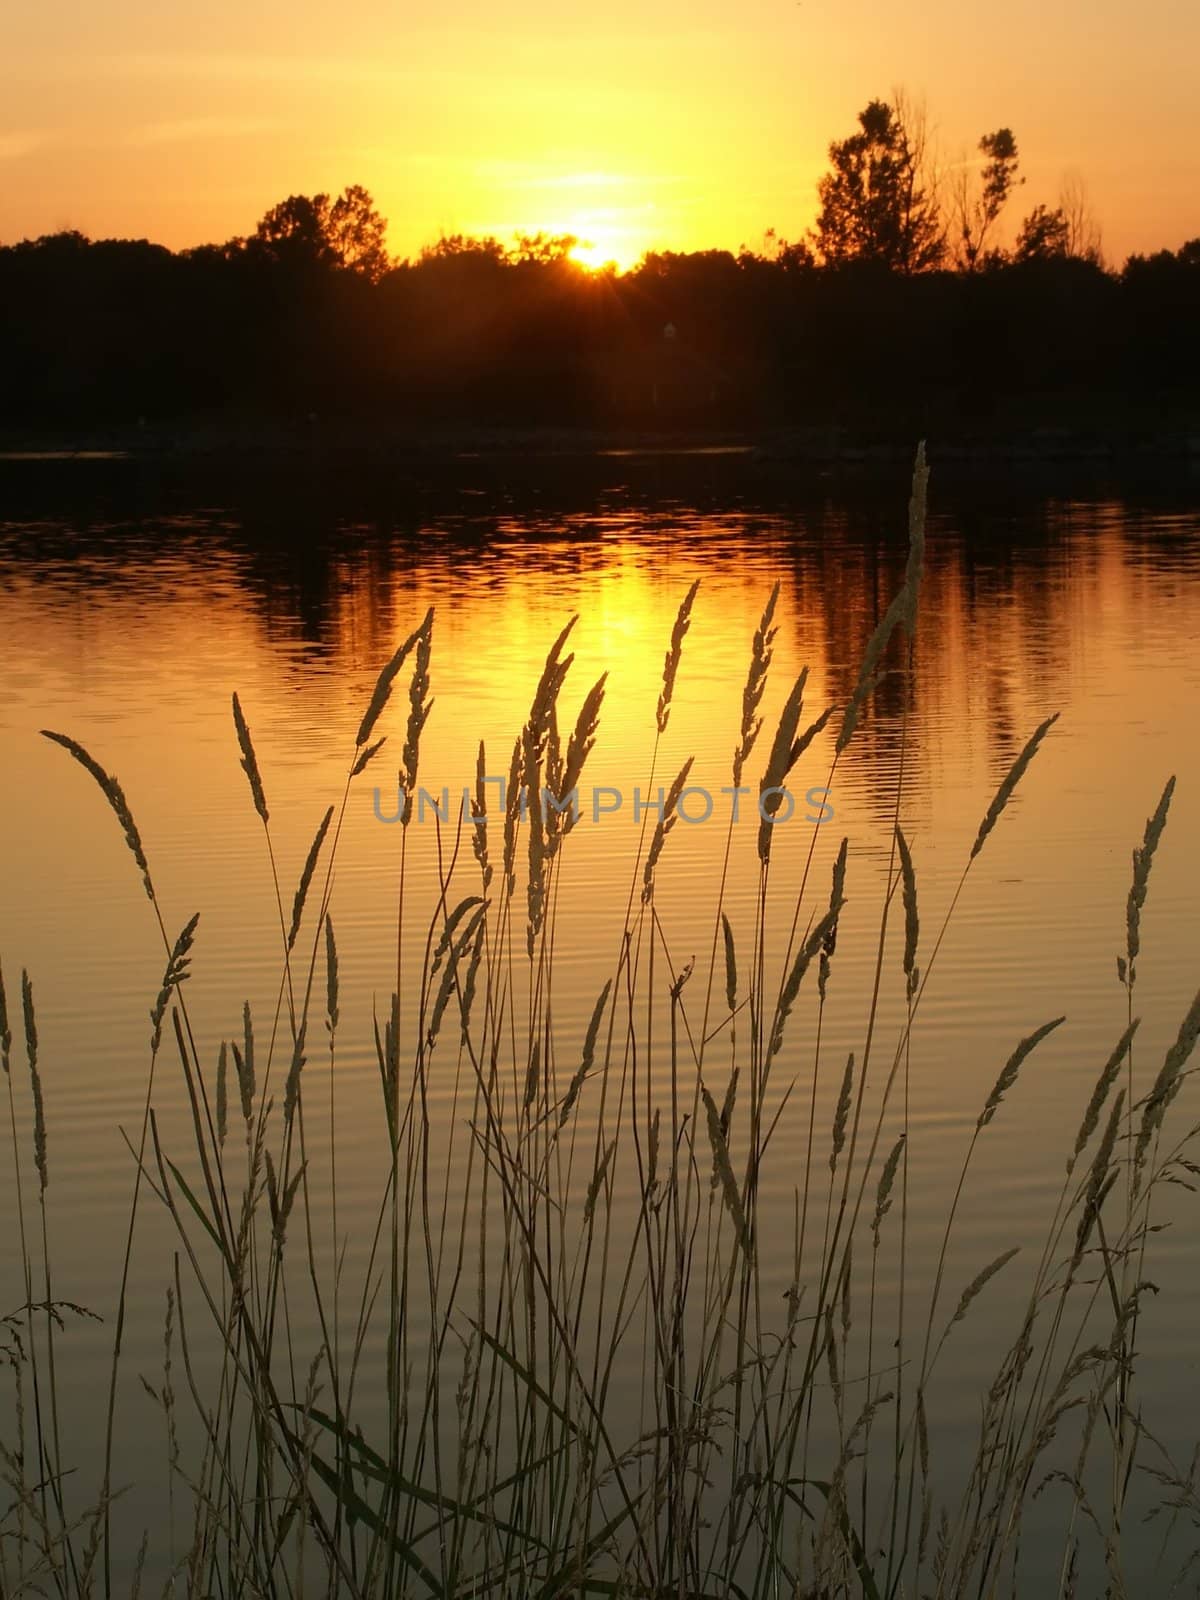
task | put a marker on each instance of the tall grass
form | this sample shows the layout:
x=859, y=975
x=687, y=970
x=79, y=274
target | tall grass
x=589, y=1385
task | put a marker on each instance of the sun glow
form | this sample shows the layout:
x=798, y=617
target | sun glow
x=603, y=239
x=611, y=218
x=598, y=253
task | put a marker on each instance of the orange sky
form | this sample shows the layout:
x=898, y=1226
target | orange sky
x=671, y=123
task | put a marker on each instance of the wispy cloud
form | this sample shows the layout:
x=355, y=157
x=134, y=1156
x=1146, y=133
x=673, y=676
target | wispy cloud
x=246, y=68
x=190, y=128
x=529, y=175
x=510, y=177
x=20, y=143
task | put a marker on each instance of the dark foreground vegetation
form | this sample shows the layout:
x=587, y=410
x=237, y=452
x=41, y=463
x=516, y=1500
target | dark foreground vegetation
x=903, y=304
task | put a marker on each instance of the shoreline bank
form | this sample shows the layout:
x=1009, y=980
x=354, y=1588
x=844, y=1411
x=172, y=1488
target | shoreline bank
x=335, y=440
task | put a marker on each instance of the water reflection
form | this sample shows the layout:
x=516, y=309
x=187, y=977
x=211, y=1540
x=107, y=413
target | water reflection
x=330, y=570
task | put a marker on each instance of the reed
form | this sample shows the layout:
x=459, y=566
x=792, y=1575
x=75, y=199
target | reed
x=588, y=1382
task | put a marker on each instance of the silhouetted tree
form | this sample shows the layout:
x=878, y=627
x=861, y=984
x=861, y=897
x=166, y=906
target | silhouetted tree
x=1083, y=230
x=1161, y=295
x=1165, y=262
x=294, y=230
x=978, y=204
x=314, y=230
x=448, y=246
x=301, y=319
x=876, y=203
x=792, y=255
x=542, y=249
x=358, y=233
x=1044, y=236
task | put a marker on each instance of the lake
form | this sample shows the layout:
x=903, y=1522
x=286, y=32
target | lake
x=135, y=599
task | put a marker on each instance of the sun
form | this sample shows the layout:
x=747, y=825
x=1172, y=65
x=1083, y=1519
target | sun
x=600, y=245
x=593, y=254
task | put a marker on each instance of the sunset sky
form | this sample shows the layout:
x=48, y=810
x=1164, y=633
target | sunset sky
x=677, y=124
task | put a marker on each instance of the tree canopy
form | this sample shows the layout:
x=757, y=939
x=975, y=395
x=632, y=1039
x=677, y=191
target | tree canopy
x=978, y=204
x=1044, y=236
x=876, y=201
x=318, y=231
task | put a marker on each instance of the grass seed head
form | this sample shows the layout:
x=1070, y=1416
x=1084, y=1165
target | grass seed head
x=1005, y=792
x=249, y=760
x=683, y=622
x=1143, y=859
x=383, y=685
x=115, y=796
x=1010, y=1069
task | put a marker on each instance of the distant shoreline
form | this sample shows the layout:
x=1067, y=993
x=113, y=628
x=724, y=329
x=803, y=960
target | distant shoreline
x=336, y=440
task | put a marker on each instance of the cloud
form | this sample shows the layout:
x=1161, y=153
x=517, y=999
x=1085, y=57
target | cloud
x=518, y=176
x=180, y=130
x=247, y=68
x=189, y=128
x=17, y=144
x=533, y=175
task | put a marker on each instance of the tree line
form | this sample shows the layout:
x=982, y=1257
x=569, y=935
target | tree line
x=902, y=304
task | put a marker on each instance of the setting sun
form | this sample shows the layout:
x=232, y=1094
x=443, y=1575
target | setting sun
x=612, y=216
x=600, y=247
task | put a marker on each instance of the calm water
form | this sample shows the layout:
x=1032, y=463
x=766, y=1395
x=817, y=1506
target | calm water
x=130, y=609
